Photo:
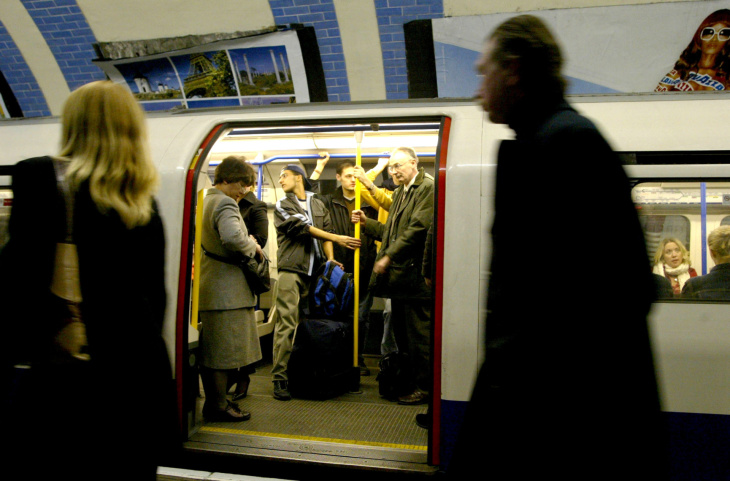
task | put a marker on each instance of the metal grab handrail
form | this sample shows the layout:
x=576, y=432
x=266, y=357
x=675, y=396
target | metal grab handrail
x=261, y=163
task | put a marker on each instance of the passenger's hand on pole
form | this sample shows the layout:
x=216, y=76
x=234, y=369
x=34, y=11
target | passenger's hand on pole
x=359, y=174
x=325, y=158
x=382, y=265
x=358, y=216
x=348, y=242
x=320, y=165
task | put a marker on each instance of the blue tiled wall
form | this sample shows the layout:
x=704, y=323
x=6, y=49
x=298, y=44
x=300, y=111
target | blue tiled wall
x=21, y=80
x=321, y=15
x=69, y=37
x=392, y=14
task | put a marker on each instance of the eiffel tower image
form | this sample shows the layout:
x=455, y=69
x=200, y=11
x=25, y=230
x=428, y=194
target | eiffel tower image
x=200, y=69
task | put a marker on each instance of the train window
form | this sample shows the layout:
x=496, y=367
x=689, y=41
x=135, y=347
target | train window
x=6, y=199
x=677, y=217
x=658, y=227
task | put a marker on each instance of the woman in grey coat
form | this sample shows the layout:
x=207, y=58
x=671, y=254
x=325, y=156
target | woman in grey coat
x=228, y=338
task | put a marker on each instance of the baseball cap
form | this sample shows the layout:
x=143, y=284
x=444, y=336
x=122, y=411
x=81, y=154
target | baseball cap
x=299, y=171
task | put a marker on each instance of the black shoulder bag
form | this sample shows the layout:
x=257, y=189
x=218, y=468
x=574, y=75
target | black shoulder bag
x=256, y=273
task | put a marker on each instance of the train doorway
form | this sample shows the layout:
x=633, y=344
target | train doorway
x=359, y=427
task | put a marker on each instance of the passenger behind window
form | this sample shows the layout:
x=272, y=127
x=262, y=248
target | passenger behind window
x=663, y=287
x=672, y=261
x=715, y=285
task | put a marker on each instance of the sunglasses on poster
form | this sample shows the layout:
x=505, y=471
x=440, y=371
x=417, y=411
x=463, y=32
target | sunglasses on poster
x=723, y=34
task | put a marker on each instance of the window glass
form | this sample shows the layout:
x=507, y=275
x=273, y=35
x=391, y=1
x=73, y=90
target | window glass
x=674, y=216
x=6, y=199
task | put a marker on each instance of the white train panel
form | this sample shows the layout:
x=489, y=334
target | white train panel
x=691, y=340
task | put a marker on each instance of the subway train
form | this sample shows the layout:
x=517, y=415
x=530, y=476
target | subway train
x=676, y=153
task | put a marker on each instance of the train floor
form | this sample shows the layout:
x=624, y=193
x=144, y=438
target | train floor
x=358, y=429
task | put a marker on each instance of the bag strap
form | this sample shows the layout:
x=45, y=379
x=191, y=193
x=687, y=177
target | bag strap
x=226, y=260
x=61, y=166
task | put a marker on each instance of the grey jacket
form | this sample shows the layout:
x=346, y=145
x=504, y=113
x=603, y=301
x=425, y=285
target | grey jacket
x=403, y=238
x=223, y=286
x=298, y=251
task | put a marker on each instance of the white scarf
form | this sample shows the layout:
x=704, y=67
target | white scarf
x=681, y=272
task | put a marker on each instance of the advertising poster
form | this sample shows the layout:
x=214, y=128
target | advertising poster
x=620, y=49
x=261, y=70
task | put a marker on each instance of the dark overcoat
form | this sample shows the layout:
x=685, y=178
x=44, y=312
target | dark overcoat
x=714, y=286
x=255, y=215
x=129, y=377
x=403, y=239
x=567, y=386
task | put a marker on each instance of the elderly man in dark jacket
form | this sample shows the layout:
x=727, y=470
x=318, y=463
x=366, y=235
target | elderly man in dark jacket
x=397, y=269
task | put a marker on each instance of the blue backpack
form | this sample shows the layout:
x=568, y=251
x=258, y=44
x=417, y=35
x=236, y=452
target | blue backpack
x=331, y=293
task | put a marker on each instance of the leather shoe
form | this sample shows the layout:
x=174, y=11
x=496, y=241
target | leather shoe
x=416, y=397
x=364, y=371
x=423, y=421
x=281, y=391
x=231, y=413
x=242, y=388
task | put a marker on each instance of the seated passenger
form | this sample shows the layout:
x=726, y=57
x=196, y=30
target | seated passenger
x=672, y=261
x=716, y=284
x=663, y=287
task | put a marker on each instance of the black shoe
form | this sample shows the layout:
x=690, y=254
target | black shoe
x=423, y=421
x=364, y=371
x=281, y=391
x=242, y=388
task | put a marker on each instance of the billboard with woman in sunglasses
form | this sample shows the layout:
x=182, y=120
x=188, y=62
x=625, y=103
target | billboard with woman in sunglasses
x=705, y=63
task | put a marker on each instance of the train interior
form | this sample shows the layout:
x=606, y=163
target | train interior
x=359, y=427
x=683, y=210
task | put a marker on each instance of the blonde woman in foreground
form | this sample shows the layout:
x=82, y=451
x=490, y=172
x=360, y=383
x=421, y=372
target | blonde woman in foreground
x=117, y=411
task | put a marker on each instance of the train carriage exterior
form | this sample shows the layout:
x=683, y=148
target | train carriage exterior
x=677, y=147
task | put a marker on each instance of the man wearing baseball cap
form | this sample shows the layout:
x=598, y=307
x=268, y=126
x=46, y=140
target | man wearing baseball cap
x=305, y=237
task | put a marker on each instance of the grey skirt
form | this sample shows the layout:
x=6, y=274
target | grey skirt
x=229, y=339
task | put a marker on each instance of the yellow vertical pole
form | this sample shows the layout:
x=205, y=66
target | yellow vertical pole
x=356, y=320
x=196, y=257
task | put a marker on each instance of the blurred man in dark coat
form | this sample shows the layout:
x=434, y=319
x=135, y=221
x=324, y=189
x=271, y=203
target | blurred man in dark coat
x=567, y=388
